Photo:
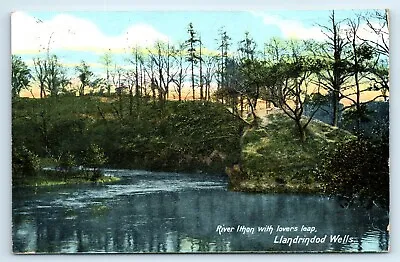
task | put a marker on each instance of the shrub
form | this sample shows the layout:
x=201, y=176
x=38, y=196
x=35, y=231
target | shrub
x=24, y=162
x=358, y=172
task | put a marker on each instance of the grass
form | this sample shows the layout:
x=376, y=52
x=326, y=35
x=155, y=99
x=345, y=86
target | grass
x=274, y=159
x=55, y=178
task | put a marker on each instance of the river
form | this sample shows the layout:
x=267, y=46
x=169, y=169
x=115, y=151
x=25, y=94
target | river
x=170, y=212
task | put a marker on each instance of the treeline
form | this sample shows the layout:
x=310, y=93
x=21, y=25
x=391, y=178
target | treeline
x=286, y=73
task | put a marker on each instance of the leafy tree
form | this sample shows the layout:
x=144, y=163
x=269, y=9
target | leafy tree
x=56, y=79
x=25, y=163
x=84, y=76
x=20, y=75
x=94, y=157
x=67, y=162
x=288, y=80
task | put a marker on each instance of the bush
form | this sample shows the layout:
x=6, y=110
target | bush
x=24, y=162
x=358, y=172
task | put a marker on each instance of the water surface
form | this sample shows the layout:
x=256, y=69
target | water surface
x=169, y=212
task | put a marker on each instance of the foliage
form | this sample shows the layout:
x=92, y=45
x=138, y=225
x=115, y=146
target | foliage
x=358, y=172
x=20, y=75
x=177, y=136
x=84, y=76
x=94, y=156
x=56, y=78
x=67, y=161
x=289, y=75
x=24, y=162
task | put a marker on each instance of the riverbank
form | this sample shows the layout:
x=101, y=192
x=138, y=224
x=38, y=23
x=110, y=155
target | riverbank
x=275, y=160
x=50, y=177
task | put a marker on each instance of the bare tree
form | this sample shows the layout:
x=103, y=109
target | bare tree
x=210, y=71
x=181, y=69
x=378, y=23
x=223, y=47
x=40, y=75
x=336, y=73
x=162, y=76
x=192, y=57
x=106, y=60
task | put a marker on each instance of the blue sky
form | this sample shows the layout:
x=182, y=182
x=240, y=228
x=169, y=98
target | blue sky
x=87, y=35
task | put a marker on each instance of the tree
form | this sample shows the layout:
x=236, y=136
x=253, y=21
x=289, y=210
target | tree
x=181, y=69
x=288, y=80
x=100, y=84
x=336, y=73
x=134, y=76
x=250, y=69
x=24, y=162
x=378, y=23
x=84, y=76
x=20, y=75
x=210, y=70
x=56, y=79
x=223, y=47
x=40, y=66
x=159, y=69
x=106, y=60
x=359, y=64
x=192, y=57
x=201, y=70
x=94, y=157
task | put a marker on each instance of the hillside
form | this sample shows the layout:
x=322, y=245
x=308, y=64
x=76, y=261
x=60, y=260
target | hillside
x=191, y=136
x=273, y=159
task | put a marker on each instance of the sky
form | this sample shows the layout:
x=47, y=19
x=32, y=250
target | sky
x=76, y=36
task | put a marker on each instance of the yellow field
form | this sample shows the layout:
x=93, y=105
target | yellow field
x=262, y=108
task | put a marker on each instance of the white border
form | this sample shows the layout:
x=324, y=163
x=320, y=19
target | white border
x=6, y=7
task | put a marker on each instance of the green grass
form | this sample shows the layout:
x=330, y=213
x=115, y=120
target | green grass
x=54, y=178
x=274, y=159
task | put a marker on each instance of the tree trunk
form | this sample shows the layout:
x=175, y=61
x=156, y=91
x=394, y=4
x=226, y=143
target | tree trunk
x=241, y=105
x=301, y=129
x=335, y=108
x=130, y=101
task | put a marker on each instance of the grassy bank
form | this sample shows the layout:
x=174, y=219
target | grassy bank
x=275, y=160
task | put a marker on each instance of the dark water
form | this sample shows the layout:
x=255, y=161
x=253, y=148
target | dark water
x=167, y=212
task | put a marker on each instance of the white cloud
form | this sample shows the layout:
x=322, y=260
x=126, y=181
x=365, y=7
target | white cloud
x=292, y=28
x=29, y=35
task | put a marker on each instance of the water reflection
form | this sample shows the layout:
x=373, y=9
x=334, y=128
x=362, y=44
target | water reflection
x=167, y=212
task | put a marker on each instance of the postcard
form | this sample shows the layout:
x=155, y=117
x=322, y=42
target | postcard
x=200, y=131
